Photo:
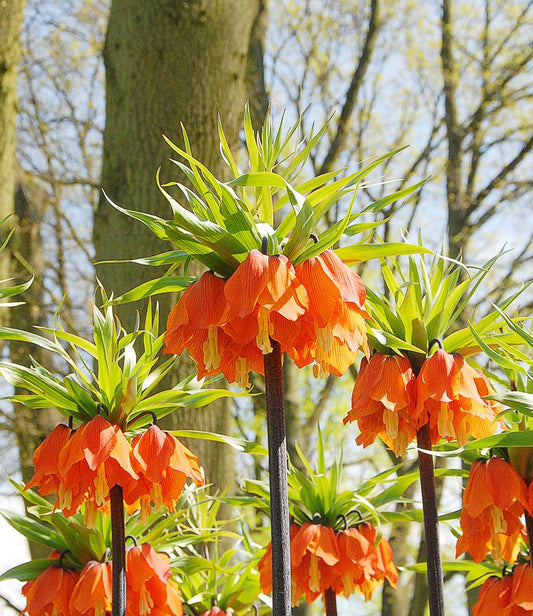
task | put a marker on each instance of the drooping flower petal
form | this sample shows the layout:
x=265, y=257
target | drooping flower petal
x=335, y=319
x=163, y=465
x=450, y=395
x=383, y=401
x=494, y=597
x=92, y=594
x=46, y=461
x=94, y=460
x=522, y=587
x=195, y=323
x=494, y=500
x=148, y=583
x=50, y=592
x=261, y=287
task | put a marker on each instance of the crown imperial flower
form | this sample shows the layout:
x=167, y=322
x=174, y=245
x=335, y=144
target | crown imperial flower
x=495, y=498
x=335, y=319
x=149, y=586
x=92, y=594
x=94, y=460
x=49, y=593
x=510, y=595
x=450, y=396
x=365, y=561
x=163, y=465
x=383, y=401
x=346, y=561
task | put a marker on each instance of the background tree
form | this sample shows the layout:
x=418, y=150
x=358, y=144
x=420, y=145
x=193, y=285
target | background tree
x=16, y=212
x=463, y=103
x=167, y=63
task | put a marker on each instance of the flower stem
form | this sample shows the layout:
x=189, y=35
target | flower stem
x=279, y=499
x=431, y=523
x=529, y=528
x=118, y=545
x=330, y=601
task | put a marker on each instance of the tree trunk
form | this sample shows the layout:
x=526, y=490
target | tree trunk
x=11, y=18
x=29, y=427
x=167, y=62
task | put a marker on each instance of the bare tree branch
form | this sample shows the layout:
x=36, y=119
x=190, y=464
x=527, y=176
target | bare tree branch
x=339, y=140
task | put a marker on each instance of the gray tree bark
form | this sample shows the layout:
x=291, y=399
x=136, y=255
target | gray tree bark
x=167, y=62
x=11, y=18
x=24, y=255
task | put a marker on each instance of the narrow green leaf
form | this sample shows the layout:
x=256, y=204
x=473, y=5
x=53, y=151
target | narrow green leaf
x=34, y=530
x=174, y=284
x=28, y=571
x=251, y=145
x=521, y=438
x=260, y=178
x=236, y=443
x=517, y=400
x=399, y=194
x=364, y=252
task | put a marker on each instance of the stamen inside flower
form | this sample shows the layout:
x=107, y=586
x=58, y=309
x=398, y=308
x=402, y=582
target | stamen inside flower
x=324, y=337
x=266, y=329
x=100, y=485
x=157, y=495
x=146, y=507
x=444, y=420
x=89, y=514
x=99, y=609
x=314, y=574
x=242, y=372
x=210, y=348
x=146, y=603
x=64, y=497
x=390, y=419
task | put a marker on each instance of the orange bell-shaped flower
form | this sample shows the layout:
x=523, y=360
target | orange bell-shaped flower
x=49, y=593
x=313, y=554
x=95, y=459
x=163, y=465
x=335, y=320
x=510, y=595
x=148, y=582
x=92, y=594
x=265, y=300
x=314, y=551
x=195, y=324
x=494, y=597
x=383, y=402
x=46, y=461
x=364, y=562
x=450, y=395
x=522, y=588
x=495, y=498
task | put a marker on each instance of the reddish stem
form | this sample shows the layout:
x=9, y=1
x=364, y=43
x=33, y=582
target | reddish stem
x=431, y=523
x=279, y=499
x=118, y=546
x=330, y=601
x=529, y=528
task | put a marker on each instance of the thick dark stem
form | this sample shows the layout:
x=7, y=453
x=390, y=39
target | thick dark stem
x=431, y=523
x=330, y=601
x=118, y=546
x=279, y=499
x=529, y=528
